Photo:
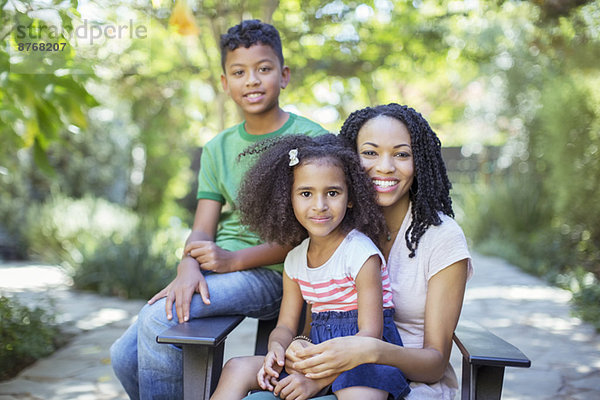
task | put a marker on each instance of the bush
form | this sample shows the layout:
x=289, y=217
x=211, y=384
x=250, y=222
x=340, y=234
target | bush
x=586, y=294
x=136, y=266
x=62, y=229
x=13, y=244
x=509, y=218
x=104, y=247
x=512, y=218
x=25, y=335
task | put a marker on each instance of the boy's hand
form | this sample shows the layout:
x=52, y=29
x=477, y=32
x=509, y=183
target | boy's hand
x=296, y=387
x=189, y=280
x=211, y=257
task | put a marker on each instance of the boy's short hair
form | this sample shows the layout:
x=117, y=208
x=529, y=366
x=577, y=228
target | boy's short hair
x=247, y=33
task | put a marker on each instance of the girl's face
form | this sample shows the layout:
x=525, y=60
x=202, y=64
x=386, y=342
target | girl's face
x=320, y=197
x=384, y=146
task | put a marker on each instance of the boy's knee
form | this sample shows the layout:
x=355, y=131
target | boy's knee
x=152, y=318
x=119, y=359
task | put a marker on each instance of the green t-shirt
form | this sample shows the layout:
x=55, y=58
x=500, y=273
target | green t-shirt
x=221, y=174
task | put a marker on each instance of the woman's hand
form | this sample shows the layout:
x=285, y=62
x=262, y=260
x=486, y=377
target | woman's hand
x=211, y=257
x=291, y=353
x=335, y=356
x=189, y=280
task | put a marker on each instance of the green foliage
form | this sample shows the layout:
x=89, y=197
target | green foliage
x=515, y=221
x=544, y=217
x=106, y=248
x=35, y=106
x=135, y=266
x=559, y=133
x=25, y=335
x=511, y=220
x=586, y=302
x=62, y=229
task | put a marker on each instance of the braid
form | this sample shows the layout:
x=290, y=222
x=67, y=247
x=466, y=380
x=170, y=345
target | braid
x=430, y=191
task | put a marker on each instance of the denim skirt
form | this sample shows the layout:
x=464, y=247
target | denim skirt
x=331, y=324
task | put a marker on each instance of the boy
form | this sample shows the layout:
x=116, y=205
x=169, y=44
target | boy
x=223, y=269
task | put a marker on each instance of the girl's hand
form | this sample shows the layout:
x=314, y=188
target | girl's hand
x=265, y=381
x=335, y=356
x=272, y=366
x=189, y=280
x=297, y=387
x=211, y=257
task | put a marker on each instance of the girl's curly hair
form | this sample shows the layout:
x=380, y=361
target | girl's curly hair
x=430, y=190
x=265, y=201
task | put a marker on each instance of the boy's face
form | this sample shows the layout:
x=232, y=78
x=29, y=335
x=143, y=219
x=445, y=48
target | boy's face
x=254, y=77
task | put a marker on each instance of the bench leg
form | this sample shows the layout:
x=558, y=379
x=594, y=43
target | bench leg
x=201, y=370
x=481, y=382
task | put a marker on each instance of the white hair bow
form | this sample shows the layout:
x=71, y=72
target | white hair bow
x=293, y=157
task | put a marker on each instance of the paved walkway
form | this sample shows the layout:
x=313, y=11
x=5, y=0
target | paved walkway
x=521, y=309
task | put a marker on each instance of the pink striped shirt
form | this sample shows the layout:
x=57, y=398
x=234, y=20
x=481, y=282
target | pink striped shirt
x=332, y=286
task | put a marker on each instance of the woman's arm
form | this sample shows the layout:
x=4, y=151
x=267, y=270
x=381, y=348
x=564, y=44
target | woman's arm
x=444, y=300
x=370, y=301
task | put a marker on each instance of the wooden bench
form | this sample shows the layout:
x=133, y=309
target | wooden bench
x=484, y=355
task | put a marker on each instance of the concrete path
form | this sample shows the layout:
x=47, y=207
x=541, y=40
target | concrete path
x=535, y=317
x=521, y=309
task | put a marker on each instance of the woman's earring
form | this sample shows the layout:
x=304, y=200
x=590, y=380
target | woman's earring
x=413, y=192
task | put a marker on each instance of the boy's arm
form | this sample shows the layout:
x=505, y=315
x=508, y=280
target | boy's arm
x=189, y=278
x=213, y=258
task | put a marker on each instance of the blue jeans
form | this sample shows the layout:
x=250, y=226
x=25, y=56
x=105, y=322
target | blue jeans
x=149, y=370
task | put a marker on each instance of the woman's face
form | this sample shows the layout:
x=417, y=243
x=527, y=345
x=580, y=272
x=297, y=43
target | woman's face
x=384, y=146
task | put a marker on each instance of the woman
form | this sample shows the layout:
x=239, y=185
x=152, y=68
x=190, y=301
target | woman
x=428, y=259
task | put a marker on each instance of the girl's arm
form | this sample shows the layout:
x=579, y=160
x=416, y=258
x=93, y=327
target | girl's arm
x=370, y=302
x=370, y=311
x=287, y=324
x=444, y=301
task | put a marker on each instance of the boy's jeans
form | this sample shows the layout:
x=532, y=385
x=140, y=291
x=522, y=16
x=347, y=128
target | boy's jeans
x=149, y=370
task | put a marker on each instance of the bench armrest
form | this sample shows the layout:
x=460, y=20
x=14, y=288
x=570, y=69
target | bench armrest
x=202, y=342
x=484, y=356
x=203, y=331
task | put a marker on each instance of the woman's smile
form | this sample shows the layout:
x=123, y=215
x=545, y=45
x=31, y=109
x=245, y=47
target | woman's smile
x=384, y=185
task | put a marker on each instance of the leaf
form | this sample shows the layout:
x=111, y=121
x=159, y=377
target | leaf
x=41, y=158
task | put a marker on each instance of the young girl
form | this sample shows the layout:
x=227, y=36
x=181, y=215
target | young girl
x=312, y=193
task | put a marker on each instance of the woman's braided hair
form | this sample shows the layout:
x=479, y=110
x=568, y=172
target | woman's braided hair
x=430, y=190
x=265, y=201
